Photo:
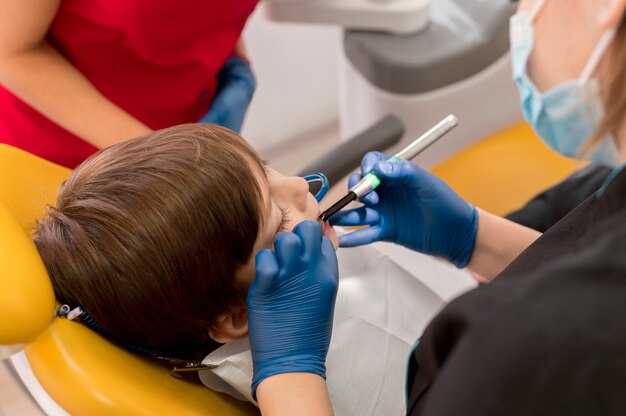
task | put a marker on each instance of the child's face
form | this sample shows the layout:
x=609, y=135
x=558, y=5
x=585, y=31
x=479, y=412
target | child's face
x=288, y=202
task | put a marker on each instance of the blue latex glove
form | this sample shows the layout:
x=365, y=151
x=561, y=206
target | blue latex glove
x=413, y=208
x=291, y=304
x=235, y=90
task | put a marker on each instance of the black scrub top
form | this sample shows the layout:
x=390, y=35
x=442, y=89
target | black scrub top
x=547, y=337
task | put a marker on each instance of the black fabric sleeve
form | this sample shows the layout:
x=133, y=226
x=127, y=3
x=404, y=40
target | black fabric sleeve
x=552, y=343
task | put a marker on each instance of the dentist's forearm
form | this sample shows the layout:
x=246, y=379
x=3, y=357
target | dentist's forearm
x=49, y=83
x=498, y=243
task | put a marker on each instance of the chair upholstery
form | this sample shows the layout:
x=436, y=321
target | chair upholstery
x=79, y=369
x=26, y=299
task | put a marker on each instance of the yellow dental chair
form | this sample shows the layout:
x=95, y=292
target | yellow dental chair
x=87, y=375
x=79, y=370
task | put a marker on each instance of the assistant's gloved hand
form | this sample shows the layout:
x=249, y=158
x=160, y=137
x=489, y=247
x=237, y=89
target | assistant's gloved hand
x=413, y=208
x=291, y=304
x=235, y=90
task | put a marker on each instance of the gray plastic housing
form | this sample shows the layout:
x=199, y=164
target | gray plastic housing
x=463, y=38
x=346, y=157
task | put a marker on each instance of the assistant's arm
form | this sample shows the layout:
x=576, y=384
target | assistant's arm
x=290, y=317
x=240, y=49
x=237, y=84
x=294, y=394
x=38, y=74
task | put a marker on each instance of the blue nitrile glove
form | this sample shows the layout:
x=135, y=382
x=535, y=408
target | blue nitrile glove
x=234, y=93
x=291, y=304
x=413, y=208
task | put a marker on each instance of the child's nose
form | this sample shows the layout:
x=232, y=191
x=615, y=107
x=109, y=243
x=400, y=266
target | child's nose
x=299, y=188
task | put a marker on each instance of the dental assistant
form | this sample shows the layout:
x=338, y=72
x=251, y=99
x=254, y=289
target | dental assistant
x=548, y=335
x=76, y=76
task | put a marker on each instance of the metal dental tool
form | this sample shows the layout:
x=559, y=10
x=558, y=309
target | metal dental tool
x=371, y=181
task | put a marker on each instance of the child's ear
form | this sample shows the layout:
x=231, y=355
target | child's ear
x=230, y=326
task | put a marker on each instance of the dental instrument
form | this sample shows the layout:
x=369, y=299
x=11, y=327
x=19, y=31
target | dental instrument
x=371, y=181
x=318, y=185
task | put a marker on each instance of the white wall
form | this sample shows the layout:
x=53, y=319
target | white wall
x=296, y=68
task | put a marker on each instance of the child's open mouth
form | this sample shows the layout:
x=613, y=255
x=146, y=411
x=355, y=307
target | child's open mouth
x=325, y=227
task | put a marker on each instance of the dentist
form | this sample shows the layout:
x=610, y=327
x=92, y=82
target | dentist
x=548, y=336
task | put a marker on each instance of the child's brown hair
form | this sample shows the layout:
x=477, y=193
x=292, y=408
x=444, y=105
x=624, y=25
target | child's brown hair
x=147, y=235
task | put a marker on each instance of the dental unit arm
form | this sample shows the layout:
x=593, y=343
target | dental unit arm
x=395, y=16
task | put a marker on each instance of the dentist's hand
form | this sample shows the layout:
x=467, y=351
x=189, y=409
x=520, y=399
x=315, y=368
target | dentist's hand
x=413, y=208
x=236, y=88
x=291, y=304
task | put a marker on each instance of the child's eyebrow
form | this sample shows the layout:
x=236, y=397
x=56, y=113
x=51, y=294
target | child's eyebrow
x=265, y=163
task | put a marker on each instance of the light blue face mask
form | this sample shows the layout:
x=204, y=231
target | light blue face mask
x=566, y=116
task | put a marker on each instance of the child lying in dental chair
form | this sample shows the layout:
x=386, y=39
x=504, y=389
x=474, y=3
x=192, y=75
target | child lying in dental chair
x=154, y=239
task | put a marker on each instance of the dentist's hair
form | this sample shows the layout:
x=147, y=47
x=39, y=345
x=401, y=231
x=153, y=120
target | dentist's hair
x=147, y=235
x=615, y=105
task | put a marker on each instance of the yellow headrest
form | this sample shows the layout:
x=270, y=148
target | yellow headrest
x=26, y=296
x=27, y=184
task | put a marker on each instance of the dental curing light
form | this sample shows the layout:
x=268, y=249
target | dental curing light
x=371, y=181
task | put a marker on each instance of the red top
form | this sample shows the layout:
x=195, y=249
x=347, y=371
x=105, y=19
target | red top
x=157, y=60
